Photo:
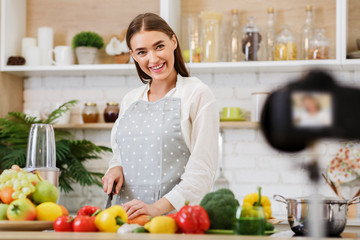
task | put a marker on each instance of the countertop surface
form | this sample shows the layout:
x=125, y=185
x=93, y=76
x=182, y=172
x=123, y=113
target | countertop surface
x=81, y=236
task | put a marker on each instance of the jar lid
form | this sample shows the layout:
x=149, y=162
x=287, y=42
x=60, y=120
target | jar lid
x=308, y=8
x=112, y=104
x=234, y=11
x=90, y=104
x=270, y=10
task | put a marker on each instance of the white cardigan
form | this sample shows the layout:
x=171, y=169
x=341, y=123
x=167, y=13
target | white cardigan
x=200, y=128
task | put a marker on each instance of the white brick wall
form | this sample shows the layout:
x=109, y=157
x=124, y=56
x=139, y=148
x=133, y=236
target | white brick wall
x=248, y=161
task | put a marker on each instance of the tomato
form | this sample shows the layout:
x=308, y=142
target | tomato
x=63, y=224
x=84, y=224
x=87, y=210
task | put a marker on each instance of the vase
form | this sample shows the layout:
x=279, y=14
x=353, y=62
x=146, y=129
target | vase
x=87, y=55
x=122, y=58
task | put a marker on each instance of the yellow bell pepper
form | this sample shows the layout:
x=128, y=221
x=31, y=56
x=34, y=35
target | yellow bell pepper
x=253, y=200
x=161, y=224
x=111, y=219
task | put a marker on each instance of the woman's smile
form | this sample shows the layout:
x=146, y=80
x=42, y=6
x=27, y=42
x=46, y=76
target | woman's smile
x=157, y=68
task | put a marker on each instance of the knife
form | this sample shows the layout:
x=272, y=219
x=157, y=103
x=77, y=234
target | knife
x=110, y=196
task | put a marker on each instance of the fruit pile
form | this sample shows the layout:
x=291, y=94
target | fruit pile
x=27, y=196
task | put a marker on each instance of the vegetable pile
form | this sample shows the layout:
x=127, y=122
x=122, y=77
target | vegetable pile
x=216, y=213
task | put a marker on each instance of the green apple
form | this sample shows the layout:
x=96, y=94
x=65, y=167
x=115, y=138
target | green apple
x=3, y=209
x=21, y=209
x=45, y=192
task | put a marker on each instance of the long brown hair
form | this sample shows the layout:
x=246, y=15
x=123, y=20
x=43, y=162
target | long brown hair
x=153, y=22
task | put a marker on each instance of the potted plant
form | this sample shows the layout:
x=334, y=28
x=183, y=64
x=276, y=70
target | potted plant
x=87, y=45
x=70, y=154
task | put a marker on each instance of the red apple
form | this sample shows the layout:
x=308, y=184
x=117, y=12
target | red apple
x=21, y=209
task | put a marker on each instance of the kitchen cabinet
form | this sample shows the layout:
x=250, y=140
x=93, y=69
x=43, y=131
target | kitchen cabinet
x=22, y=18
x=11, y=96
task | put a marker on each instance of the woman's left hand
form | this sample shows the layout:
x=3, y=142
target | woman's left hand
x=136, y=207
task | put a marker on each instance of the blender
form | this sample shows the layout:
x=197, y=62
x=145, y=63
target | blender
x=41, y=153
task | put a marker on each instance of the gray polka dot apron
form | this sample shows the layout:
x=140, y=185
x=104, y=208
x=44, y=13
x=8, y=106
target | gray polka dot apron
x=153, y=151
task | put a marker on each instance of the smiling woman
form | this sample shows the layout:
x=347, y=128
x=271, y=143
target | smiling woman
x=165, y=140
x=152, y=24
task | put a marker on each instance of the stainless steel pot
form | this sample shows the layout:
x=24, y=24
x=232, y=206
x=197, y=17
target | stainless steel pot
x=334, y=214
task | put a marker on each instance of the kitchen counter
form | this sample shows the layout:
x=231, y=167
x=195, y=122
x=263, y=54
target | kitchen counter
x=105, y=236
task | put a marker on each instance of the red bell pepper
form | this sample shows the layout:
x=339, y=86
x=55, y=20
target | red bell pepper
x=192, y=219
x=88, y=210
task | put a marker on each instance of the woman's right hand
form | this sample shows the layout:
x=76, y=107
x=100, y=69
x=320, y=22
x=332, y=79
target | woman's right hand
x=115, y=174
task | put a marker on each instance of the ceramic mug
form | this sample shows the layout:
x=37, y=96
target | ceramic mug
x=25, y=43
x=64, y=55
x=258, y=101
x=32, y=56
x=232, y=112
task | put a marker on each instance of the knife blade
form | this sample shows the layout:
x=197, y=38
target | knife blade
x=110, y=196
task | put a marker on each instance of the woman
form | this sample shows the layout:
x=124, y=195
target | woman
x=165, y=139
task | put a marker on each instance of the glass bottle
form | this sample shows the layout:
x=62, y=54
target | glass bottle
x=111, y=112
x=285, y=46
x=251, y=39
x=270, y=35
x=306, y=33
x=235, y=45
x=319, y=45
x=210, y=37
x=90, y=113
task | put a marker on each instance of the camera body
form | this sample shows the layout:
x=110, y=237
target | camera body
x=309, y=109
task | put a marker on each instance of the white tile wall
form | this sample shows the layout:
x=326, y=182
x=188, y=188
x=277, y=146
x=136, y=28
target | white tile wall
x=249, y=162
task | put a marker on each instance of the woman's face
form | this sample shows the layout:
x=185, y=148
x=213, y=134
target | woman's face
x=154, y=52
x=311, y=105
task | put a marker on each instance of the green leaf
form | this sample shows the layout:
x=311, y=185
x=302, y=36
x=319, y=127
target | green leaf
x=70, y=154
x=60, y=111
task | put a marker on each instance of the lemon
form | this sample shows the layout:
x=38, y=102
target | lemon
x=48, y=211
x=161, y=224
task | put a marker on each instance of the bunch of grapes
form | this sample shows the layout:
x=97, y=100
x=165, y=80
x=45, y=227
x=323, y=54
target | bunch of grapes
x=21, y=181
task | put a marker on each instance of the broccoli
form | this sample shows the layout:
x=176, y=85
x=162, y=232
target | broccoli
x=221, y=207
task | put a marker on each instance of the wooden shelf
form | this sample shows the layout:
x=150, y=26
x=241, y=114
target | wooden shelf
x=95, y=126
x=107, y=126
x=129, y=69
x=239, y=125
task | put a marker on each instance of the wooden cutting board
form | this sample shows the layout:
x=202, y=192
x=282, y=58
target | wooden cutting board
x=25, y=225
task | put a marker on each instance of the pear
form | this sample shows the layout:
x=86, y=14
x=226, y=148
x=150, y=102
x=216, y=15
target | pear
x=45, y=192
x=3, y=209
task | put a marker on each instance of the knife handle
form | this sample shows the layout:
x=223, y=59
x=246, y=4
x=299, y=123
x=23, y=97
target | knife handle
x=112, y=191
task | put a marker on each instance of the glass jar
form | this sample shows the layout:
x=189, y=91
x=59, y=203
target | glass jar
x=251, y=39
x=270, y=36
x=191, y=52
x=319, y=46
x=111, y=112
x=285, y=47
x=235, y=41
x=90, y=113
x=249, y=220
x=307, y=34
x=210, y=37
